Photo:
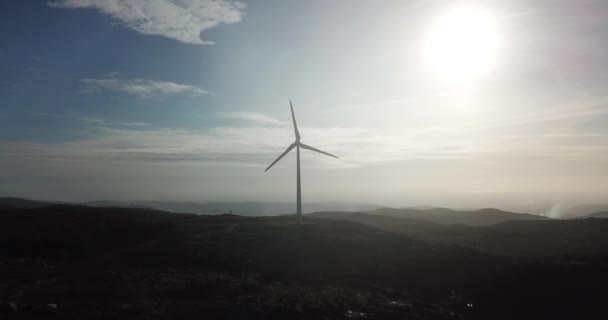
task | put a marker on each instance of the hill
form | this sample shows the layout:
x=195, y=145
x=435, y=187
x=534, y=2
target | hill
x=597, y=215
x=420, y=229
x=582, y=211
x=481, y=217
x=89, y=260
x=81, y=262
x=12, y=202
x=240, y=208
x=514, y=238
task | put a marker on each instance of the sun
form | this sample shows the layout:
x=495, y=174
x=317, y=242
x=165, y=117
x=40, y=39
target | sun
x=463, y=44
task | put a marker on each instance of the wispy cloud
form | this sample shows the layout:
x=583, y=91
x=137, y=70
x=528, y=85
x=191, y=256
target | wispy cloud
x=250, y=117
x=262, y=138
x=257, y=145
x=41, y=114
x=98, y=122
x=182, y=20
x=142, y=87
x=247, y=145
x=103, y=122
x=536, y=119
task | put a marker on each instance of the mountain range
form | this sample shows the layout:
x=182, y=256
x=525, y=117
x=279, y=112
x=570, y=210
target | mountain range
x=436, y=215
x=517, y=237
x=251, y=208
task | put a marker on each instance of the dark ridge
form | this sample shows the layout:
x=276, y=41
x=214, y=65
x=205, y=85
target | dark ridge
x=597, y=215
x=13, y=202
x=513, y=238
x=481, y=217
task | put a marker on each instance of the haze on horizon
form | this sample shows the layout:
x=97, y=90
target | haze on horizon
x=453, y=103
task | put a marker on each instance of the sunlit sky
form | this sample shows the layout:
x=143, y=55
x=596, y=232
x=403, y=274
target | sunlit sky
x=473, y=103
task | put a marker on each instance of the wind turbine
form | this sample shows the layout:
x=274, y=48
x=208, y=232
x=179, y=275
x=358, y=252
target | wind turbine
x=297, y=144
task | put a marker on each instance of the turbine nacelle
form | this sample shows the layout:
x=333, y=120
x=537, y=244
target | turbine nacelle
x=297, y=143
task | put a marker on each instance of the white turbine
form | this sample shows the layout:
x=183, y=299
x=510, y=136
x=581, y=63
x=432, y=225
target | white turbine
x=297, y=144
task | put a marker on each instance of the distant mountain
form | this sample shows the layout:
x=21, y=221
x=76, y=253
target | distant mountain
x=602, y=215
x=483, y=217
x=585, y=210
x=512, y=238
x=116, y=204
x=239, y=208
x=20, y=203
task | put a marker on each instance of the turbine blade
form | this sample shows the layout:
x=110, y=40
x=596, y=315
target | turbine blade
x=317, y=150
x=295, y=125
x=291, y=146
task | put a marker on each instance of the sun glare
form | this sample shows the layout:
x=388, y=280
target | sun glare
x=463, y=44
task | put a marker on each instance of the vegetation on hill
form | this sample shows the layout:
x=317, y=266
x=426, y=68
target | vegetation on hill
x=105, y=263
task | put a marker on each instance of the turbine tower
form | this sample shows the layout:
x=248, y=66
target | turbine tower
x=297, y=144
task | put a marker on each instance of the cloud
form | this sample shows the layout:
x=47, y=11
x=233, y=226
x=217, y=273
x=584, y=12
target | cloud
x=34, y=113
x=250, y=116
x=248, y=145
x=182, y=20
x=263, y=138
x=103, y=122
x=142, y=87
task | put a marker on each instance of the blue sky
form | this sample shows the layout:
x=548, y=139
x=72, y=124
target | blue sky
x=188, y=100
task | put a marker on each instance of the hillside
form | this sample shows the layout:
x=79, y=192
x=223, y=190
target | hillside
x=251, y=208
x=481, y=217
x=543, y=238
x=270, y=267
x=420, y=229
x=259, y=208
x=514, y=238
x=12, y=202
x=49, y=232
x=63, y=262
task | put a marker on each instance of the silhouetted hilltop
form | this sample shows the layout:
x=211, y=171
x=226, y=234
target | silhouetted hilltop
x=582, y=211
x=597, y=215
x=433, y=214
x=481, y=217
x=240, y=208
x=12, y=202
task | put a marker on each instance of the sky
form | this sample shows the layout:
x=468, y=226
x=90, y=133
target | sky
x=503, y=105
